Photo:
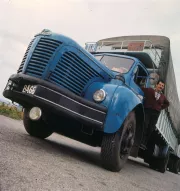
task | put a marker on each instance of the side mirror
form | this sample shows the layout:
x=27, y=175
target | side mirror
x=120, y=77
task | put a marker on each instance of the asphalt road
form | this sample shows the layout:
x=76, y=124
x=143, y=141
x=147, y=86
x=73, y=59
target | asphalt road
x=59, y=163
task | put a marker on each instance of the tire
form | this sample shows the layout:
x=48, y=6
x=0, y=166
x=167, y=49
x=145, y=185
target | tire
x=159, y=164
x=153, y=164
x=115, y=148
x=36, y=128
x=162, y=164
x=176, y=166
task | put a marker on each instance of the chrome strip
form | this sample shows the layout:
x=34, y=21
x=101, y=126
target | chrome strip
x=68, y=109
x=74, y=100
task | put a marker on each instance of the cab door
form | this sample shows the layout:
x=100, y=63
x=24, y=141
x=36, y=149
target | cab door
x=138, y=80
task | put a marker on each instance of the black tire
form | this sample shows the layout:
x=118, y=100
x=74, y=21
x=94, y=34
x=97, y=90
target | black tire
x=115, y=148
x=162, y=164
x=36, y=128
x=176, y=166
x=153, y=163
x=159, y=164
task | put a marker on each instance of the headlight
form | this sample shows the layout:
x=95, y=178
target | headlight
x=99, y=95
x=35, y=113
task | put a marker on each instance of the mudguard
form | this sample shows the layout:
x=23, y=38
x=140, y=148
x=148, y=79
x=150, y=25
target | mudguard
x=123, y=101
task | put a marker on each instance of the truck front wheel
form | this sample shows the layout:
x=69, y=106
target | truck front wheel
x=116, y=147
x=36, y=128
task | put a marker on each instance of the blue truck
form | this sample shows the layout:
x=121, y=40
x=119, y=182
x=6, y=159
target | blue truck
x=95, y=96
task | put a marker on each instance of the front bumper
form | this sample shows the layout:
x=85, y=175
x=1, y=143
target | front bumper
x=55, y=99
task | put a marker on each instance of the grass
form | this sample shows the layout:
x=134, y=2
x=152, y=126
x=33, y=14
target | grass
x=11, y=111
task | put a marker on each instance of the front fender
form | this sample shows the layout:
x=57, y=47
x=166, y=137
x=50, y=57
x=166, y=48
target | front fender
x=123, y=101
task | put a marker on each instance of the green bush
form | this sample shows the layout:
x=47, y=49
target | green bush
x=10, y=111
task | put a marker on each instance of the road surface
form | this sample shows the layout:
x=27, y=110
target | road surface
x=61, y=164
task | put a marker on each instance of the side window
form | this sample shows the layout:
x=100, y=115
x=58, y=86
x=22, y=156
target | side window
x=136, y=71
x=140, y=77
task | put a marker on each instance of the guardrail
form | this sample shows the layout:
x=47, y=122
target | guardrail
x=122, y=46
x=147, y=43
x=165, y=128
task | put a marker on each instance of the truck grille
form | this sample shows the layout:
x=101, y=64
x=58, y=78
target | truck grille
x=41, y=56
x=72, y=73
x=25, y=56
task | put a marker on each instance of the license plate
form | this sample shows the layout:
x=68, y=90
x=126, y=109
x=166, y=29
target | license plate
x=29, y=89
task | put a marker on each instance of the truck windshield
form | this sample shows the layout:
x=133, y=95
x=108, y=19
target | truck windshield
x=115, y=63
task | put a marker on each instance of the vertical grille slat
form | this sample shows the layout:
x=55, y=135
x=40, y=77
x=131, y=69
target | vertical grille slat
x=67, y=64
x=72, y=73
x=25, y=56
x=41, y=56
x=68, y=78
x=40, y=59
x=47, y=44
x=67, y=82
x=52, y=41
x=59, y=82
x=45, y=51
x=75, y=64
x=33, y=71
x=88, y=68
x=34, y=67
x=50, y=49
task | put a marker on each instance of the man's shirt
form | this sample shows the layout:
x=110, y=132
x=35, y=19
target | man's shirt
x=154, y=100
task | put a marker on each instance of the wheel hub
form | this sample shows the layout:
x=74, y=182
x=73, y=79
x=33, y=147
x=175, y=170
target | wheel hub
x=127, y=141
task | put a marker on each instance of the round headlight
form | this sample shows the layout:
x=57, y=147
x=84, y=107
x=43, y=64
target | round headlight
x=99, y=95
x=35, y=113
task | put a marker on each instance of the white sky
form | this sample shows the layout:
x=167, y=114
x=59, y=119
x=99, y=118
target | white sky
x=83, y=20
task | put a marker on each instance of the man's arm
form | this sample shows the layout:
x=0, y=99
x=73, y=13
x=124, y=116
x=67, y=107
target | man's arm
x=165, y=104
x=145, y=90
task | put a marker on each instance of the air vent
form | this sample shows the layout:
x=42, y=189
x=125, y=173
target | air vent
x=41, y=56
x=72, y=73
x=25, y=56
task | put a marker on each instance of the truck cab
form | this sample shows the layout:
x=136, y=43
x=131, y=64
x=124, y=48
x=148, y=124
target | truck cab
x=134, y=72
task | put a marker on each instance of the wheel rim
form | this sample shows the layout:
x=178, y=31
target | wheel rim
x=127, y=141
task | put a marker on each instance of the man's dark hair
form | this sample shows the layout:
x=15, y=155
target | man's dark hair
x=162, y=81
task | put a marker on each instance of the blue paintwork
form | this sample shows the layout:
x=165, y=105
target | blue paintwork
x=120, y=98
x=69, y=45
x=123, y=101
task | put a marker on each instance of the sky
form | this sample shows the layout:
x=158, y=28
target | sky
x=83, y=21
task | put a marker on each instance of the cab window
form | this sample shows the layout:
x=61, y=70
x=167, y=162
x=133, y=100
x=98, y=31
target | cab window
x=140, y=76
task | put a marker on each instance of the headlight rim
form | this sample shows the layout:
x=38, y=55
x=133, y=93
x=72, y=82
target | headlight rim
x=104, y=93
x=31, y=113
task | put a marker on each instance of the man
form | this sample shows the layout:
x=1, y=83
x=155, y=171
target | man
x=154, y=102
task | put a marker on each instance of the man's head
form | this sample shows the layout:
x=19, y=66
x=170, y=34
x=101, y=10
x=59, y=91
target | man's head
x=160, y=86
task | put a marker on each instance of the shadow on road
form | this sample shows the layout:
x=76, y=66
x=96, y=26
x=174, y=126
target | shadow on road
x=67, y=147
x=82, y=154
x=85, y=153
